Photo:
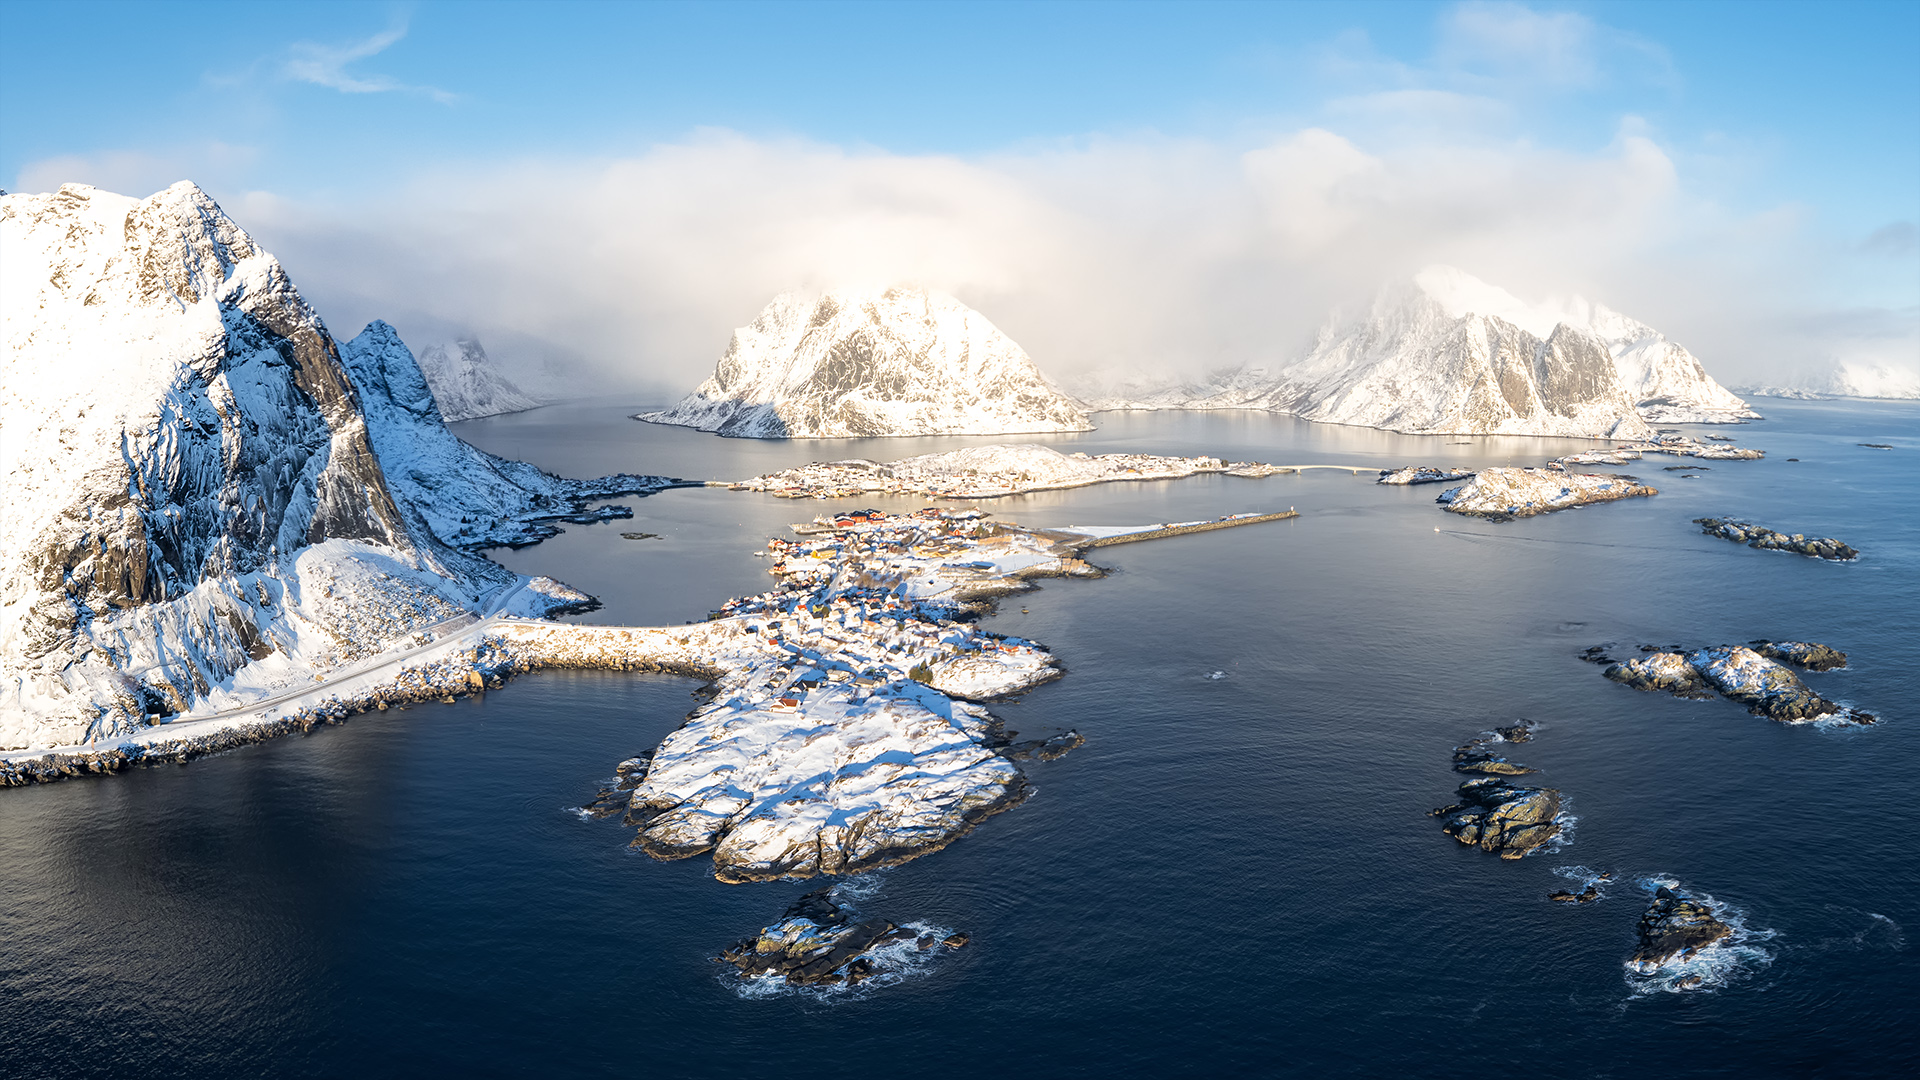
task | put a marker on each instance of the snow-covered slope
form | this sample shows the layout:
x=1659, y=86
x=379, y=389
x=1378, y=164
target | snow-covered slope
x=193, y=486
x=851, y=364
x=1448, y=353
x=467, y=386
x=1846, y=379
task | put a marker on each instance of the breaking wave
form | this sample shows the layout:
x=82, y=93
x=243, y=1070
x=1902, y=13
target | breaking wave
x=1737, y=958
x=893, y=963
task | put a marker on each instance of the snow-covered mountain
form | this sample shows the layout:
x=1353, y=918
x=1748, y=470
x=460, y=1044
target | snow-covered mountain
x=1448, y=353
x=204, y=493
x=466, y=384
x=1847, y=379
x=851, y=364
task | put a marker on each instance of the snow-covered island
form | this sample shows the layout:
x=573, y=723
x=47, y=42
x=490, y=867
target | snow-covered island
x=852, y=364
x=987, y=472
x=1446, y=353
x=1505, y=494
x=466, y=385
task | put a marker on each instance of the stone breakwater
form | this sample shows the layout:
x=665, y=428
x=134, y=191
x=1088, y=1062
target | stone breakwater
x=1757, y=536
x=1505, y=494
x=1755, y=675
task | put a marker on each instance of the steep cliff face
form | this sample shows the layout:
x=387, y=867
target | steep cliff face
x=192, y=485
x=1447, y=353
x=466, y=385
x=850, y=364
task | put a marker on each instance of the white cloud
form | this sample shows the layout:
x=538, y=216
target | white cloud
x=1145, y=253
x=1505, y=39
x=326, y=65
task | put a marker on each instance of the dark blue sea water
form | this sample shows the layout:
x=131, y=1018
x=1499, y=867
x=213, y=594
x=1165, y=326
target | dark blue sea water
x=1232, y=876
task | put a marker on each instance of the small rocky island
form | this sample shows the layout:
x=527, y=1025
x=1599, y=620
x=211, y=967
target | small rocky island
x=1755, y=675
x=818, y=942
x=1758, y=536
x=1493, y=814
x=1675, y=929
x=1505, y=494
x=1502, y=818
x=1421, y=474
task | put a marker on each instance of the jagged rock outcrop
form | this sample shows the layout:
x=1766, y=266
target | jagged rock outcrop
x=466, y=385
x=1756, y=536
x=1501, y=818
x=1448, y=354
x=1506, y=494
x=820, y=941
x=856, y=364
x=1674, y=929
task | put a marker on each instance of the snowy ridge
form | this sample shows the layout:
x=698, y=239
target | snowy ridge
x=854, y=364
x=467, y=386
x=193, y=483
x=1446, y=353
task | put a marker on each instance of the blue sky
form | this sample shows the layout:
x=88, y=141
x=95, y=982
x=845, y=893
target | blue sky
x=1763, y=156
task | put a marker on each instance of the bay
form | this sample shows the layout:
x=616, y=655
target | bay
x=1234, y=874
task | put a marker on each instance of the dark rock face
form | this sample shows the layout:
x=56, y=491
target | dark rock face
x=818, y=942
x=1501, y=818
x=1675, y=928
x=1585, y=896
x=1806, y=654
x=1756, y=536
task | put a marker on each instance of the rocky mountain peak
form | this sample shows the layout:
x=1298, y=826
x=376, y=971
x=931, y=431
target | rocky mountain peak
x=898, y=361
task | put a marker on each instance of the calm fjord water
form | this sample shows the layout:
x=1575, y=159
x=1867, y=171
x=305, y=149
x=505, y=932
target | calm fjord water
x=1233, y=875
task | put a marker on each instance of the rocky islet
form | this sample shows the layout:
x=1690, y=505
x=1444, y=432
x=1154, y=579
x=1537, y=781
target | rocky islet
x=1765, y=539
x=1753, y=675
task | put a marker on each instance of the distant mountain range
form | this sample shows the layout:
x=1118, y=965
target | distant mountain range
x=466, y=384
x=1847, y=380
x=903, y=361
x=1446, y=353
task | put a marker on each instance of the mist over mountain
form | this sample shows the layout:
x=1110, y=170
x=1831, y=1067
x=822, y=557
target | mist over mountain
x=1444, y=352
